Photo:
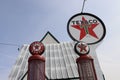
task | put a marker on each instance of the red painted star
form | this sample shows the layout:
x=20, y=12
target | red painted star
x=82, y=47
x=37, y=47
x=86, y=28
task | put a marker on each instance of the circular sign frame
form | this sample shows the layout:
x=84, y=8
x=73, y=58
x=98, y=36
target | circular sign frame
x=88, y=23
x=36, y=48
x=81, y=48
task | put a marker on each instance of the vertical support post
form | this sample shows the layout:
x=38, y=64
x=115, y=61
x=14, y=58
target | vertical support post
x=36, y=63
x=36, y=68
x=86, y=68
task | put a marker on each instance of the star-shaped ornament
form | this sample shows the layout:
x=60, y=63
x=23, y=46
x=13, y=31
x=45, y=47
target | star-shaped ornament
x=36, y=48
x=81, y=48
x=86, y=28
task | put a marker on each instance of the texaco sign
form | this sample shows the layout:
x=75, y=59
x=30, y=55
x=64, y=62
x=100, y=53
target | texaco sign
x=81, y=48
x=36, y=48
x=86, y=27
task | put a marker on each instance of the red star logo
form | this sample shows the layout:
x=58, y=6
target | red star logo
x=82, y=47
x=36, y=47
x=86, y=28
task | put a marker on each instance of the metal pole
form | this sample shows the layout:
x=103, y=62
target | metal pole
x=83, y=6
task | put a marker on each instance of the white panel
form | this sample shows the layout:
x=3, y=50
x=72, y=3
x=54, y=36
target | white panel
x=69, y=61
x=57, y=62
x=47, y=61
x=62, y=62
x=52, y=62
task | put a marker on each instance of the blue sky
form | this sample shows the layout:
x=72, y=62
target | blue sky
x=25, y=21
